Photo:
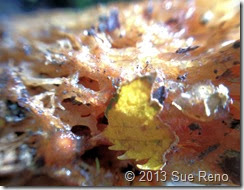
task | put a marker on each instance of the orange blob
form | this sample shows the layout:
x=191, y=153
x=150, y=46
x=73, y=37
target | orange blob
x=60, y=149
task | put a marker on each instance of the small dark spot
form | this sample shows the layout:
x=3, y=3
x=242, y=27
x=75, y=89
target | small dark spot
x=194, y=126
x=199, y=133
x=160, y=94
x=171, y=21
x=91, y=31
x=182, y=77
x=223, y=121
x=235, y=124
x=204, y=19
x=215, y=71
x=236, y=63
x=185, y=50
x=236, y=44
x=40, y=162
x=217, y=77
x=207, y=151
x=19, y=133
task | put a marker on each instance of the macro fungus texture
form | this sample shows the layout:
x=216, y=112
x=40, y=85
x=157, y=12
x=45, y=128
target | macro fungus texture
x=87, y=95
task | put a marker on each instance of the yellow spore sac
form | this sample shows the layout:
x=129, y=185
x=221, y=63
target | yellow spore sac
x=135, y=128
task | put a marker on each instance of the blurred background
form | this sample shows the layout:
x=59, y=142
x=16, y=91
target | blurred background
x=9, y=7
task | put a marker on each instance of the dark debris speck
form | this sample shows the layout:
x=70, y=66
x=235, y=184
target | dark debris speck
x=91, y=31
x=182, y=77
x=236, y=63
x=235, y=124
x=40, y=162
x=171, y=21
x=185, y=50
x=194, y=126
x=160, y=94
x=224, y=122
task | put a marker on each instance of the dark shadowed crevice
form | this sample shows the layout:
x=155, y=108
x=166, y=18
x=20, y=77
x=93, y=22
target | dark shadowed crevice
x=81, y=130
